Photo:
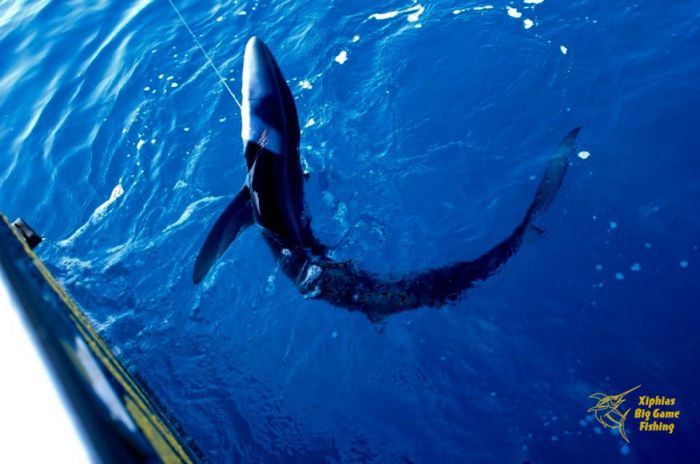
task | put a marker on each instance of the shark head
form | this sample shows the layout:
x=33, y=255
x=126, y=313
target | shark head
x=270, y=133
x=268, y=110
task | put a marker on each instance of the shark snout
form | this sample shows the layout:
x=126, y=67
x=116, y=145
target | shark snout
x=259, y=73
x=255, y=48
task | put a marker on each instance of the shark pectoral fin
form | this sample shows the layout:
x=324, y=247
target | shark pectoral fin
x=237, y=216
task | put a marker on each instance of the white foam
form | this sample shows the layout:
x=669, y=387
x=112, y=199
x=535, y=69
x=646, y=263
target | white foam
x=482, y=8
x=533, y=2
x=528, y=23
x=189, y=210
x=174, y=84
x=414, y=17
x=415, y=12
x=219, y=19
x=584, y=155
x=342, y=57
x=310, y=122
x=313, y=293
x=140, y=143
x=513, y=12
x=306, y=84
x=355, y=38
x=383, y=16
x=312, y=274
x=563, y=49
x=341, y=213
x=96, y=216
x=270, y=287
x=69, y=263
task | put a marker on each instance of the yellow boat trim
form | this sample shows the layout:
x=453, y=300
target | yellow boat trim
x=157, y=433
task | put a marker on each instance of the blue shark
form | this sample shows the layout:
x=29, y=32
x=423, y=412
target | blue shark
x=272, y=196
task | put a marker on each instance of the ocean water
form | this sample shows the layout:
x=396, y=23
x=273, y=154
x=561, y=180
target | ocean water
x=425, y=127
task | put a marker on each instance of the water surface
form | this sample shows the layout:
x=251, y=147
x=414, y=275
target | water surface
x=426, y=126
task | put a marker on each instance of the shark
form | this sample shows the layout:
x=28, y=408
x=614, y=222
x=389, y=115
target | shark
x=272, y=197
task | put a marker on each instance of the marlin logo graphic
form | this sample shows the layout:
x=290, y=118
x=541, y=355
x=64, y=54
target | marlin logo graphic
x=607, y=411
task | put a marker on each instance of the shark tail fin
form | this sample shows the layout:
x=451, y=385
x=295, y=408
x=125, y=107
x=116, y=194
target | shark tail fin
x=491, y=261
x=237, y=216
x=553, y=176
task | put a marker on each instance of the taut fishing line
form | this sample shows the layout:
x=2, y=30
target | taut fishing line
x=206, y=55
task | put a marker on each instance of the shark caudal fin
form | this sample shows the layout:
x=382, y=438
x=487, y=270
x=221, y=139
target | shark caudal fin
x=493, y=259
x=237, y=216
x=553, y=176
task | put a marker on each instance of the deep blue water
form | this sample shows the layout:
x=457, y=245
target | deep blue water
x=428, y=139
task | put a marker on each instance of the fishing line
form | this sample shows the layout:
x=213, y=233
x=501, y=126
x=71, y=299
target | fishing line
x=206, y=55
